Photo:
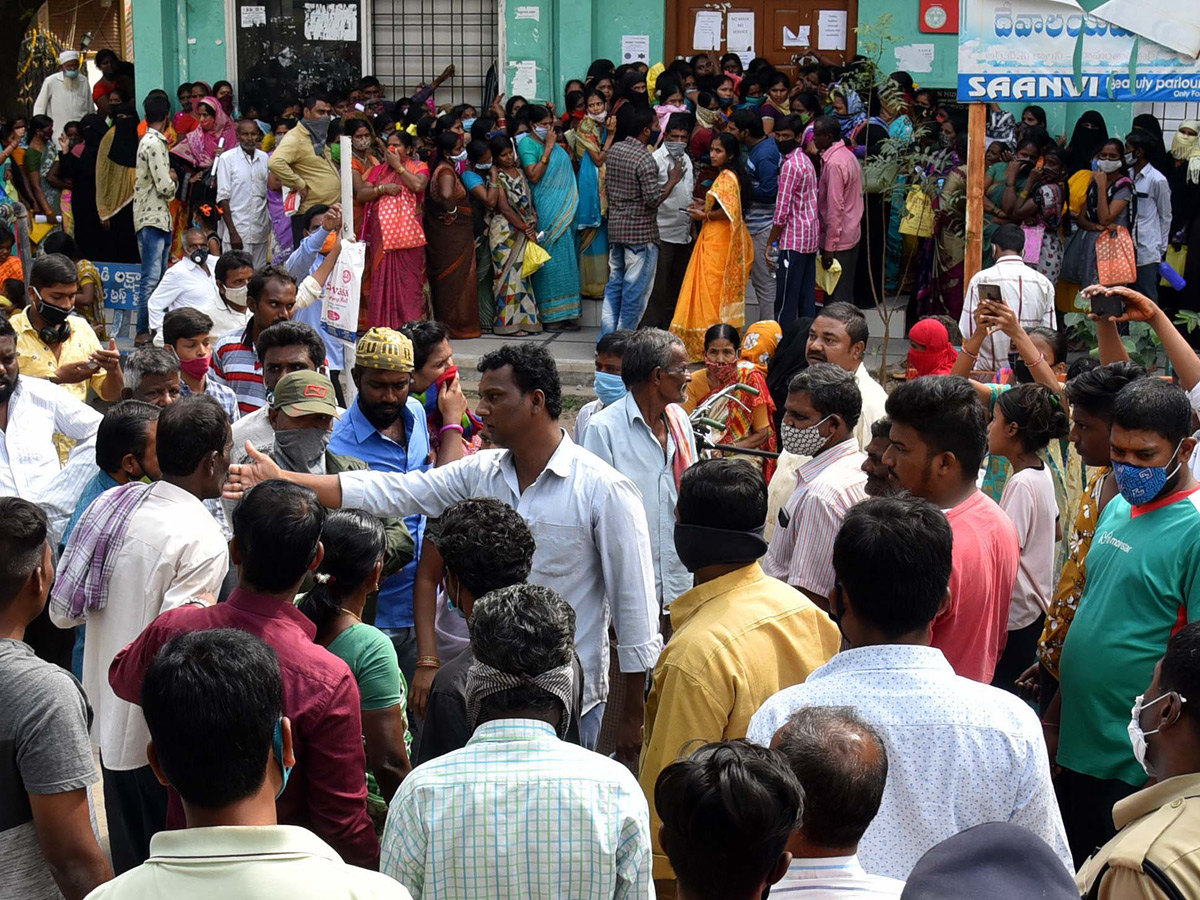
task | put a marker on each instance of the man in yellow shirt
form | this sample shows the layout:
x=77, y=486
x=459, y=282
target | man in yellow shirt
x=303, y=163
x=739, y=636
x=53, y=344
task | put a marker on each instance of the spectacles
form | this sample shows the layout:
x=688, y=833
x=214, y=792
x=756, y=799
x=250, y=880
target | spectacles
x=679, y=372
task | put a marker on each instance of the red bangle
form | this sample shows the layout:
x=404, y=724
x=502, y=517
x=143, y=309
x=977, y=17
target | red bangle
x=451, y=427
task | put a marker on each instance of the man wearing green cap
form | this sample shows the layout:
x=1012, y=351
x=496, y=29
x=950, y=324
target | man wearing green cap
x=387, y=429
x=302, y=411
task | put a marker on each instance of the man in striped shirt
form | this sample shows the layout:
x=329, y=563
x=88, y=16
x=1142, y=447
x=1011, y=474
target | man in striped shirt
x=842, y=765
x=271, y=298
x=823, y=406
x=796, y=227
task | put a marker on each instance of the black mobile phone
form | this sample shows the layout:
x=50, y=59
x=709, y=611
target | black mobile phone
x=1108, y=305
x=990, y=292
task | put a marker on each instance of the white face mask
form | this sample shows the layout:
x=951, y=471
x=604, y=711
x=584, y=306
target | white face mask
x=598, y=117
x=237, y=296
x=1137, y=737
x=802, y=441
x=1108, y=166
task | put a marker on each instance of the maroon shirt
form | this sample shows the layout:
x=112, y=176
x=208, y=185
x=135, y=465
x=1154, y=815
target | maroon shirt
x=327, y=790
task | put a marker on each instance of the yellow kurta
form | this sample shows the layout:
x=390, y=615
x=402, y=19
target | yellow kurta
x=738, y=640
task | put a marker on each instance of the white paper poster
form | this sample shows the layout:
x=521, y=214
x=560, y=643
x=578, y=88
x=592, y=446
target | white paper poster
x=331, y=21
x=740, y=32
x=798, y=38
x=253, y=15
x=915, y=57
x=533, y=13
x=635, y=48
x=831, y=29
x=524, y=79
x=707, y=32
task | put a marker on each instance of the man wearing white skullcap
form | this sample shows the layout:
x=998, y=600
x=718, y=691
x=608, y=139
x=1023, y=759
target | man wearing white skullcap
x=66, y=95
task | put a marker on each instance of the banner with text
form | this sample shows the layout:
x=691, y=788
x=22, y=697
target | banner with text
x=1024, y=50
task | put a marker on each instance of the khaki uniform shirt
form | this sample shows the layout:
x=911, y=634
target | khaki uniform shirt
x=1159, y=827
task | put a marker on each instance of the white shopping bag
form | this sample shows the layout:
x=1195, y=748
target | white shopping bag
x=339, y=301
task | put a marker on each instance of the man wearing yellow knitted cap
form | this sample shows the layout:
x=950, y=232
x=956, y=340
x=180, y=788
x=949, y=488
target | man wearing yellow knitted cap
x=386, y=429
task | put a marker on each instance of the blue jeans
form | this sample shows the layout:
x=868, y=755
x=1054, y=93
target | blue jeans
x=589, y=726
x=630, y=277
x=154, y=245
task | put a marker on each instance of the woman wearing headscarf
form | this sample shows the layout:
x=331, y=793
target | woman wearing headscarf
x=116, y=169
x=1159, y=157
x=185, y=121
x=79, y=167
x=1089, y=133
x=847, y=109
x=214, y=134
x=759, y=343
x=1184, y=179
x=931, y=352
x=450, y=257
x=789, y=358
x=631, y=89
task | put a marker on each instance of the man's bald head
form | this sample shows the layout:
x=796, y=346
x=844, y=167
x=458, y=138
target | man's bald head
x=841, y=763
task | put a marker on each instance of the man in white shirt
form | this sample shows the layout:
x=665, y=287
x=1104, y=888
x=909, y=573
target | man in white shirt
x=213, y=701
x=66, y=95
x=593, y=546
x=823, y=406
x=190, y=282
x=1152, y=230
x=230, y=311
x=242, y=195
x=842, y=765
x=171, y=552
x=643, y=436
x=518, y=805
x=32, y=411
x=674, y=223
x=839, y=335
x=960, y=753
x=1027, y=291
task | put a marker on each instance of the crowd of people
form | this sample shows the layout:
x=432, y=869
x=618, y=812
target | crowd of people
x=320, y=627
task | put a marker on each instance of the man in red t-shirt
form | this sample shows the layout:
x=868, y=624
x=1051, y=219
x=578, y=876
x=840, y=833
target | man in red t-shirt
x=939, y=438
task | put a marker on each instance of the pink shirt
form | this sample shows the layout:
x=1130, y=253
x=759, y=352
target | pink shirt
x=973, y=631
x=840, y=203
x=796, y=206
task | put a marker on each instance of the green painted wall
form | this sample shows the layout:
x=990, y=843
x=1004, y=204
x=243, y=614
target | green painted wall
x=178, y=40
x=567, y=35
x=904, y=29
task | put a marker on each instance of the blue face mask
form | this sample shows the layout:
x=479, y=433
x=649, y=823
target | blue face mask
x=287, y=770
x=454, y=607
x=609, y=388
x=466, y=124
x=1141, y=484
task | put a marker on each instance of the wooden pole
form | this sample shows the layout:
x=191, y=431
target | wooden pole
x=976, y=136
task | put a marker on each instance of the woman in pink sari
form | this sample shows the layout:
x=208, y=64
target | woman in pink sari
x=394, y=191
x=212, y=136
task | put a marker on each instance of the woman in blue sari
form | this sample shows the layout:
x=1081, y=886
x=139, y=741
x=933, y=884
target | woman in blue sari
x=593, y=138
x=556, y=201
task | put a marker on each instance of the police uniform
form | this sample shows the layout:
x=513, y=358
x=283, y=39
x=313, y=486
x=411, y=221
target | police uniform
x=1154, y=854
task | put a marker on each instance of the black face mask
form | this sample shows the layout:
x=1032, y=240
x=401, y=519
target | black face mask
x=1020, y=370
x=57, y=329
x=199, y=256
x=699, y=546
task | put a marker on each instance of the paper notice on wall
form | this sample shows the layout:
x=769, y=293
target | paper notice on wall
x=635, y=48
x=915, y=57
x=524, y=79
x=706, y=35
x=253, y=15
x=740, y=32
x=533, y=13
x=798, y=38
x=831, y=29
x=331, y=21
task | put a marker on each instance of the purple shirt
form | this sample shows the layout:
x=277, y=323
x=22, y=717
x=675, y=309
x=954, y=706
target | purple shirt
x=327, y=790
x=796, y=206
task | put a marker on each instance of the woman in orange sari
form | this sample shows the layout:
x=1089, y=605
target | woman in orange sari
x=450, y=233
x=395, y=237
x=749, y=422
x=364, y=156
x=714, y=287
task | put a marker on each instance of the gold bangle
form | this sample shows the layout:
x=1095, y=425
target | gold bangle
x=428, y=662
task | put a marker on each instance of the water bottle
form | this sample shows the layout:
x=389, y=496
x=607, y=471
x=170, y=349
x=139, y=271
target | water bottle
x=773, y=255
x=1173, y=278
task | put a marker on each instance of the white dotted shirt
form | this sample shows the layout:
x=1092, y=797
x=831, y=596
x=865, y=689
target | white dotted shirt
x=960, y=753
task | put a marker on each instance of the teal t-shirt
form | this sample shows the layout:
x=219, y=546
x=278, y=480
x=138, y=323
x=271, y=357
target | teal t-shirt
x=1143, y=584
x=372, y=661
